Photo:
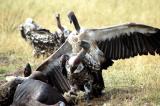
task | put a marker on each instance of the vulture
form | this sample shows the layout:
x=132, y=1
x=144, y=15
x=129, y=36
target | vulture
x=47, y=87
x=108, y=44
x=35, y=91
x=43, y=41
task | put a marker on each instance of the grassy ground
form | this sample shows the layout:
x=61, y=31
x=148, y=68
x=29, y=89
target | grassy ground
x=130, y=82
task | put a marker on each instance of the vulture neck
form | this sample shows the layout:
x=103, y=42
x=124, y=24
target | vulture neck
x=82, y=54
x=78, y=59
x=75, y=22
x=59, y=23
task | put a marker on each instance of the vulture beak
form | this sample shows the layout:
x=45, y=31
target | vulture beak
x=70, y=16
x=22, y=31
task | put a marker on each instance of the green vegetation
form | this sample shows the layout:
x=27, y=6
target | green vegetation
x=131, y=82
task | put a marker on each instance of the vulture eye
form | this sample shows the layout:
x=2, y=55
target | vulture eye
x=77, y=33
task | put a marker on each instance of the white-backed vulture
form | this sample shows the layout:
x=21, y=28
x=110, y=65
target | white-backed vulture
x=43, y=41
x=111, y=43
x=36, y=90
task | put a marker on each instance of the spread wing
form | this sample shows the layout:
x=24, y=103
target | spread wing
x=53, y=69
x=127, y=40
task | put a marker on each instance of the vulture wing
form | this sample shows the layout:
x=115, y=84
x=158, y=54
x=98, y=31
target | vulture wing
x=127, y=40
x=47, y=64
x=52, y=68
x=50, y=65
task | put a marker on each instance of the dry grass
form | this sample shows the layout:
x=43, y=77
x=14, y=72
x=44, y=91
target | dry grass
x=142, y=73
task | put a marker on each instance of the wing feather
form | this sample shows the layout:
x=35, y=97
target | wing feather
x=141, y=44
x=127, y=40
x=124, y=47
x=117, y=47
x=152, y=44
x=111, y=49
x=135, y=51
x=107, y=48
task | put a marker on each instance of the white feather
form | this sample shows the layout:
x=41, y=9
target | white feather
x=116, y=31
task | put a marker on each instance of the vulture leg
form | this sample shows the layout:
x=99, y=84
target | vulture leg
x=100, y=78
x=88, y=90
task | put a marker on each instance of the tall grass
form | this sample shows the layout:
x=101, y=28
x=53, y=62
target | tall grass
x=142, y=72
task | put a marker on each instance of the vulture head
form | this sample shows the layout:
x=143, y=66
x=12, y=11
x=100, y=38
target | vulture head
x=28, y=25
x=74, y=20
x=77, y=58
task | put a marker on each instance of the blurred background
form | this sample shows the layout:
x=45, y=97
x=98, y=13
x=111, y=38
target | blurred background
x=133, y=81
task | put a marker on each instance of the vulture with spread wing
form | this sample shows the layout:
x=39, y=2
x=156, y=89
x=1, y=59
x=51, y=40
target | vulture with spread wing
x=107, y=44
